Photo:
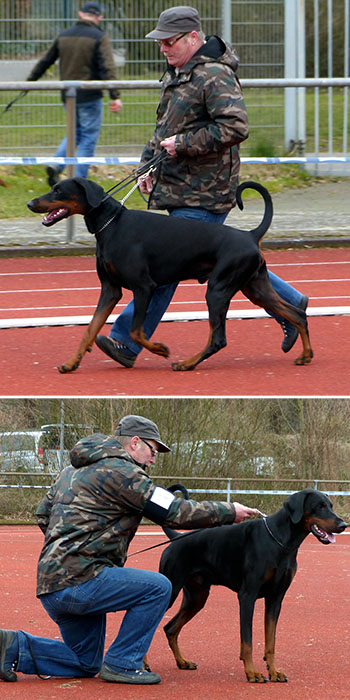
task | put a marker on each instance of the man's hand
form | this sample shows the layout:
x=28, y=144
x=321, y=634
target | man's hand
x=145, y=184
x=116, y=105
x=243, y=512
x=169, y=145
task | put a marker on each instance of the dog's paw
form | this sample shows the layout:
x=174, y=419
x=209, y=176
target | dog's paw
x=160, y=349
x=256, y=677
x=278, y=677
x=64, y=369
x=181, y=366
x=187, y=665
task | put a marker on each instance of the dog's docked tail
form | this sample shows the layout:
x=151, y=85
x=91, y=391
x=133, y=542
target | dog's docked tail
x=259, y=231
x=172, y=534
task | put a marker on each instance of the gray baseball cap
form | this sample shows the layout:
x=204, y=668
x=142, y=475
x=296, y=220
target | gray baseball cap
x=143, y=428
x=175, y=20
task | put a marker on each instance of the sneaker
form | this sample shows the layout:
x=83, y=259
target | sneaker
x=116, y=350
x=137, y=677
x=290, y=331
x=8, y=639
x=52, y=175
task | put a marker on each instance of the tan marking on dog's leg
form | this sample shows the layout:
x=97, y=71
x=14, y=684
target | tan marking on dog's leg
x=191, y=362
x=270, y=637
x=246, y=655
x=95, y=325
x=139, y=337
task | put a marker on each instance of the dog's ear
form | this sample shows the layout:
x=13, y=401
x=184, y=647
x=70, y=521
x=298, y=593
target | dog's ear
x=295, y=504
x=94, y=193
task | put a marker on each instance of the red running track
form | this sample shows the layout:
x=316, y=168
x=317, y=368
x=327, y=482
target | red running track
x=313, y=641
x=252, y=364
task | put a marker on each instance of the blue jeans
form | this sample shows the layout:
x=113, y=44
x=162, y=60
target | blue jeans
x=80, y=612
x=88, y=126
x=163, y=295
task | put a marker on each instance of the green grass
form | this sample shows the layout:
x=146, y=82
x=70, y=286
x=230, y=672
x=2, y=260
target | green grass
x=22, y=129
x=27, y=181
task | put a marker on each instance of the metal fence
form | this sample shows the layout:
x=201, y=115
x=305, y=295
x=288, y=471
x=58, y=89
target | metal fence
x=269, y=36
x=224, y=487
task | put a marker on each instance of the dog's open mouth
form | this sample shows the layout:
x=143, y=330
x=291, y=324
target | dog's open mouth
x=55, y=215
x=322, y=535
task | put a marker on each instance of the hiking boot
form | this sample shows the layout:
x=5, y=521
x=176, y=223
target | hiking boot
x=116, y=350
x=137, y=677
x=52, y=175
x=8, y=655
x=290, y=331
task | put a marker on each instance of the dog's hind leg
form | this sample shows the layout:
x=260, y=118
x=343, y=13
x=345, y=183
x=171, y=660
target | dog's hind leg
x=218, y=300
x=193, y=600
x=247, y=600
x=108, y=299
x=260, y=291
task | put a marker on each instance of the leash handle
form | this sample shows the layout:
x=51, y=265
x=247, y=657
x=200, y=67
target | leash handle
x=140, y=179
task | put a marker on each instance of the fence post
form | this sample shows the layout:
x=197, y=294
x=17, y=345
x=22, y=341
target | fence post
x=71, y=99
x=226, y=22
x=294, y=67
x=229, y=490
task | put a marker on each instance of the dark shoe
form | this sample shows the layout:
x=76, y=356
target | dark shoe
x=8, y=638
x=116, y=350
x=52, y=175
x=290, y=331
x=138, y=677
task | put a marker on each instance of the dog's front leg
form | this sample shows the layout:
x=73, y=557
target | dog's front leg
x=247, y=602
x=108, y=299
x=272, y=611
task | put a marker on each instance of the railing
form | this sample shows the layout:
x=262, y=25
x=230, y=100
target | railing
x=71, y=88
x=228, y=491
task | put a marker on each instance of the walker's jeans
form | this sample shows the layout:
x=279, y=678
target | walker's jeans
x=88, y=125
x=80, y=612
x=162, y=296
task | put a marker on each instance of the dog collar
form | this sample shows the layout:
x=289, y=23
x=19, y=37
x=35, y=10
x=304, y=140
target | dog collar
x=273, y=536
x=105, y=225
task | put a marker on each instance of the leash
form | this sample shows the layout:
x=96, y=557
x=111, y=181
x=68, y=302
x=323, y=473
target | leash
x=141, y=178
x=139, y=174
x=161, y=544
x=186, y=534
x=143, y=171
x=15, y=99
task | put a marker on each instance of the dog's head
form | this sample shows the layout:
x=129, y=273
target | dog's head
x=315, y=510
x=72, y=196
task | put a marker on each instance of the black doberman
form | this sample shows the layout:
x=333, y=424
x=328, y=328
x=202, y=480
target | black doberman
x=256, y=559
x=141, y=250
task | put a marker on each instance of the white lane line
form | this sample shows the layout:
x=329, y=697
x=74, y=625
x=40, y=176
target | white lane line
x=93, y=271
x=54, y=290
x=168, y=316
x=190, y=302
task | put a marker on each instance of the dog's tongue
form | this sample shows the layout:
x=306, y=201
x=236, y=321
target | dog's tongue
x=322, y=534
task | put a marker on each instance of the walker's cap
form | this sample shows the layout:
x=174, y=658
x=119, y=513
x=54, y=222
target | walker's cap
x=143, y=428
x=176, y=20
x=92, y=8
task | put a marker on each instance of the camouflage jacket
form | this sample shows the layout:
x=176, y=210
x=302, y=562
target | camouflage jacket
x=91, y=513
x=202, y=104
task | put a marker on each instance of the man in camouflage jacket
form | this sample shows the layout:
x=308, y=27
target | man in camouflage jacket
x=89, y=517
x=201, y=120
